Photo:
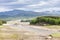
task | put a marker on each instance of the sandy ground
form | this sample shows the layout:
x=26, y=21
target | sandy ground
x=15, y=30
x=25, y=26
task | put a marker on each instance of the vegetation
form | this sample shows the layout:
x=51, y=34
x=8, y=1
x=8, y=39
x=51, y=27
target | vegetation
x=2, y=22
x=25, y=20
x=55, y=34
x=46, y=20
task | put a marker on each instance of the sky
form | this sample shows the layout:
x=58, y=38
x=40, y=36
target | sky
x=29, y=5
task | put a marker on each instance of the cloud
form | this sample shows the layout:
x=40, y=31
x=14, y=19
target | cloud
x=48, y=9
x=6, y=1
x=31, y=5
x=38, y=5
x=44, y=5
x=3, y=9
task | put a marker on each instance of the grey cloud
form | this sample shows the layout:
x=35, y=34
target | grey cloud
x=6, y=1
x=13, y=4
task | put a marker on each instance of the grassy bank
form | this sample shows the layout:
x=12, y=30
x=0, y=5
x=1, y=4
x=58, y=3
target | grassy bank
x=55, y=34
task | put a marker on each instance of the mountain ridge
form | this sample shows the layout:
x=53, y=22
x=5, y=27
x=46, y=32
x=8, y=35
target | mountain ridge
x=29, y=14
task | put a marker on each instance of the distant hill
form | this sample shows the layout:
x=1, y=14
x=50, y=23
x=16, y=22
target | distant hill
x=27, y=14
x=18, y=13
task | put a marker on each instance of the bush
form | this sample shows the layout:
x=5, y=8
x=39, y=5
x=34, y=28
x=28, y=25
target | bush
x=47, y=20
x=33, y=21
x=2, y=22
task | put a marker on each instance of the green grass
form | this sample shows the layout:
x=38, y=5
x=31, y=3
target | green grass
x=56, y=34
x=53, y=27
x=1, y=26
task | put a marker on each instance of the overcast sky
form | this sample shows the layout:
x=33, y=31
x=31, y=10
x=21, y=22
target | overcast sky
x=30, y=5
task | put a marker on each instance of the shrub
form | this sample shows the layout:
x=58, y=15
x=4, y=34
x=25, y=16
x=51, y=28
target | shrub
x=47, y=20
x=2, y=22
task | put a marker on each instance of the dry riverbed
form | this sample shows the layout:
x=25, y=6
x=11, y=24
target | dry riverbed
x=15, y=30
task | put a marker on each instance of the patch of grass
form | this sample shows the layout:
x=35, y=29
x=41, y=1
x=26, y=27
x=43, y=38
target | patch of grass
x=53, y=27
x=56, y=34
x=8, y=35
x=14, y=36
x=1, y=26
